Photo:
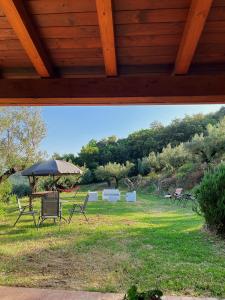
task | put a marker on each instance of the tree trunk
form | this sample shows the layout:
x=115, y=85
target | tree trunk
x=117, y=182
x=7, y=174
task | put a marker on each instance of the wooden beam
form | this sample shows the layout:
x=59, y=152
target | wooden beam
x=130, y=90
x=105, y=20
x=195, y=23
x=25, y=31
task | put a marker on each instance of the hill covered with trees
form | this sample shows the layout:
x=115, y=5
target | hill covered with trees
x=185, y=146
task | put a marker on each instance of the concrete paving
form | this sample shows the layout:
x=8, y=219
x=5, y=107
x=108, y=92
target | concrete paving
x=19, y=293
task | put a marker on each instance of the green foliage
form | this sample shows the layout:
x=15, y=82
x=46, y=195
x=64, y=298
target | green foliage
x=210, y=146
x=89, y=154
x=86, y=177
x=185, y=170
x=210, y=195
x=5, y=191
x=21, y=190
x=21, y=131
x=144, y=166
x=139, y=144
x=114, y=171
x=45, y=183
x=64, y=182
x=133, y=294
x=171, y=158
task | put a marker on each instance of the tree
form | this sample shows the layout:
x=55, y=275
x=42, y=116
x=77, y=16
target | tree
x=210, y=146
x=89, y=155
x=144, y=166
x=114, y=171
x=21, y=131
x=171, y=158
x=102, y=174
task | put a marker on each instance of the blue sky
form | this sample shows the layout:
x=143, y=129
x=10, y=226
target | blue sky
x=69, y=128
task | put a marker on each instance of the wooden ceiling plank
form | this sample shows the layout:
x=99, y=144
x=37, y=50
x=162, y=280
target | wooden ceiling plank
x=26, y=33
x=105, y=19
x=123, y=90
x=195, y=23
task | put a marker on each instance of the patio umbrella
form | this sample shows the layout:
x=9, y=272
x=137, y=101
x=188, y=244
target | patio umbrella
x=52, y=167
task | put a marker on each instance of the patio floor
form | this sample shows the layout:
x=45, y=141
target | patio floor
x=18, y=293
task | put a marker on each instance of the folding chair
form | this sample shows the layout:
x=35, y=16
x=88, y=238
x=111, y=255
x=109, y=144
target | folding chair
x=50, y=208
x=25, y=211
x=79, y=209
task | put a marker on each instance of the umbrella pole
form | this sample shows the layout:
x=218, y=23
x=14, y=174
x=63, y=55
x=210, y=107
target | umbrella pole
x=32, y=181
x=30, y=196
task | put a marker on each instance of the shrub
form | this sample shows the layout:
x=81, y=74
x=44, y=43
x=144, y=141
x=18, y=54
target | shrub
x=133, y=294
x=185, y=170
x=210, y=195
x=5, y=191
x=21, y=190
x=87, y=176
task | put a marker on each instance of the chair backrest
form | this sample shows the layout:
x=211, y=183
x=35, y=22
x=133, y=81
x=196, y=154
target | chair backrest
x=85, y=202
x=178, y=191
x=50, y=205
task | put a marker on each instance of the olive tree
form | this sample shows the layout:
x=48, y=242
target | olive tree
x=114, y=171
x=21, y=131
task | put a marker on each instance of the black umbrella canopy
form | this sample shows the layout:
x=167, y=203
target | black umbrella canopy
x=52, y=167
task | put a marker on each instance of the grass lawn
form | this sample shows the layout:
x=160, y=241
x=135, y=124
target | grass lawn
x=152, y=243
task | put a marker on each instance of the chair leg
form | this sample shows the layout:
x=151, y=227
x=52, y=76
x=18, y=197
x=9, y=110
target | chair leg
x=35, y=224
x=71, y=215
x=85, y=216
x=17, y=220
x=70, y=218
x=40, y=221
x=60, y=222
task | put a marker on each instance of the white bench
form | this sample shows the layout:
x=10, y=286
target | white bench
x=131, y=196
x=92, y=196
x=111, y=195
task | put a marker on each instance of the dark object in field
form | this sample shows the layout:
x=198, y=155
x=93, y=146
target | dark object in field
x=133, y=294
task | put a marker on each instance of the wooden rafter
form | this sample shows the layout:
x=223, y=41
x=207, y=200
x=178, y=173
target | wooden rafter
x=151, y=89
x=105, y=20
x=21, y=23
x=195, y=23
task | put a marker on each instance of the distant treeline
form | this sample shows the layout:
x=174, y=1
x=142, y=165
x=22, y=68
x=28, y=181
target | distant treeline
x=141, y=143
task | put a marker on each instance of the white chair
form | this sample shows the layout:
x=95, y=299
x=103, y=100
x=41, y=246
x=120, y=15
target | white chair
x=131, y=196
x=92, y=196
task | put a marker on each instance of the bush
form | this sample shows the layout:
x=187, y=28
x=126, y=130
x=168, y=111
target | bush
x=210, y=195
x=87, y=176
x=133, y=294
x=21, y=190
x=5, y=191
x=185, y=170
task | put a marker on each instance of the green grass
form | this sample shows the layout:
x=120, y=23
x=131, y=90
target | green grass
x=152, y=243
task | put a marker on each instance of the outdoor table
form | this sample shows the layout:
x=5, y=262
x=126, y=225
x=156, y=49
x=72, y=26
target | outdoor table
x=36, y=195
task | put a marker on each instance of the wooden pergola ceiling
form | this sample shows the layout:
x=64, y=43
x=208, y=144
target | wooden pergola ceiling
x=112, y=52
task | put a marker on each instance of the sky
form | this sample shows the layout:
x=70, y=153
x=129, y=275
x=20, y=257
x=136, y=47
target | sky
x=69, y=128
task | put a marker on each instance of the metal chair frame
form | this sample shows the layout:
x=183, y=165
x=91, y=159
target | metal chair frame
x=79, y=208
x=24, y=212
x=58, y=213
